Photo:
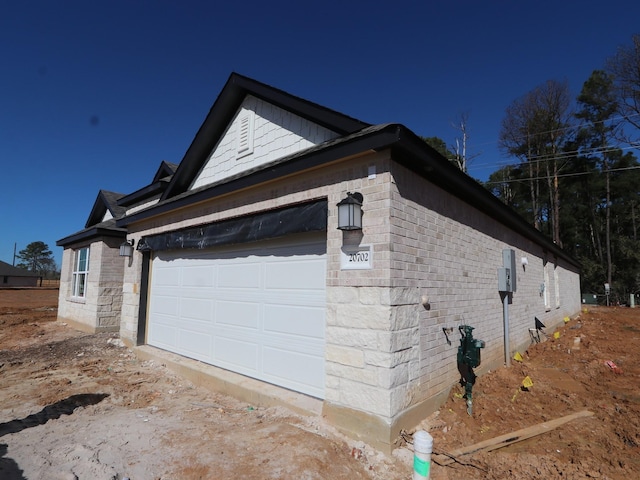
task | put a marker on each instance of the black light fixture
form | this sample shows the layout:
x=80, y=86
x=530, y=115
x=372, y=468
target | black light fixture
x=126, y=249
x=350, y=212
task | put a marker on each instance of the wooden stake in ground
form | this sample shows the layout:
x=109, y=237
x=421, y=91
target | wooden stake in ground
x=508, y=439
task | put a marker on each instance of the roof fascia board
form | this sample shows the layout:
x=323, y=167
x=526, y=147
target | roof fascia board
x=91, y=234
x=98, y=210
x=330, y=119
x=143, y=193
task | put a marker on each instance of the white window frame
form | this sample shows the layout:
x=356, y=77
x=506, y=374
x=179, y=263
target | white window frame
x=80, y=273
x=547, y=303
x=556, y=282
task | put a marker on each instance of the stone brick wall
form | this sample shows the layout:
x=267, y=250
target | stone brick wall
x=109, y=286
x=100, y=309
x=450, y=252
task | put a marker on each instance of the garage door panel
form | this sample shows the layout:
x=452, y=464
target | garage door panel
x=257, y=309
x=238, y=314
x=197, y=276
x=300, y=275
x=166, y=305
x=245, y=276
x=301, y=299
x=234, y=354
x=198, y=344
x=293, y=370
x=165, y=335
x=196, y=309
x=166, y=276
x=296, y=321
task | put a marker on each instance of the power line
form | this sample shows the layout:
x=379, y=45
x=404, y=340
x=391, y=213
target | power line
x=561, y=155
x=575, y=174
x=582, y=152
x=577, y=127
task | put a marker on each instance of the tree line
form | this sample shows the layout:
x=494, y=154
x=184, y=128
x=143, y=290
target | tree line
x=38, y=258
x=577, y=178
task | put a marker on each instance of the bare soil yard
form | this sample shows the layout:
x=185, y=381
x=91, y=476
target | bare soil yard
x=79, y=406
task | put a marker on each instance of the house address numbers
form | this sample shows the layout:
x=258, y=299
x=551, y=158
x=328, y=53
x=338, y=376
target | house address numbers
x=356, y=258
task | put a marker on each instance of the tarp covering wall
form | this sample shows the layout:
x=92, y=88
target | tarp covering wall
x=308, y=217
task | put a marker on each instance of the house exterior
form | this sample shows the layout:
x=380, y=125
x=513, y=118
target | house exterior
x=92, y=270
x=239, y=262
x=11, y=276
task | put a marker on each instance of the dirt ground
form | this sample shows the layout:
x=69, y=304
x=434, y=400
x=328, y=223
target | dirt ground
x=79, y=406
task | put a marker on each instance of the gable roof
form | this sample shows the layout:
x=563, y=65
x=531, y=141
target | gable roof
x=105, y=201
x=159, y=184
x=11, y=271
x=226, y=105
x=116, y=204
x=165, y=171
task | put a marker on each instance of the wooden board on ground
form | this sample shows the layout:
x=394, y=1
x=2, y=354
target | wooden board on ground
x=507, y=439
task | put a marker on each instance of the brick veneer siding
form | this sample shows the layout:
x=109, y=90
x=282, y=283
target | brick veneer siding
x=100, y=309
x=387, y=359
x=450, y=253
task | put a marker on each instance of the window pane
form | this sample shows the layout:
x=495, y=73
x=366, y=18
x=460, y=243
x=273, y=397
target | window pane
x=81, y=267
x=82, y=259
x=82, y=277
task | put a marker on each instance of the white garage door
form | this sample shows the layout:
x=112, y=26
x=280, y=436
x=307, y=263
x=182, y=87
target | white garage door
x=258, y=309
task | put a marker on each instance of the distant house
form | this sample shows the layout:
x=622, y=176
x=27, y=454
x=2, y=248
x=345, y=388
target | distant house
x=11, y=276
x=242, y=261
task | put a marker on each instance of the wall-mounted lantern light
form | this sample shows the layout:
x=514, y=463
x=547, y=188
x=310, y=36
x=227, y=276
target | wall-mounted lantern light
x=350, y=212
x=126, y=249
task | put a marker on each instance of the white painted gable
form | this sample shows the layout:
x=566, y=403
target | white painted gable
x=258, y=134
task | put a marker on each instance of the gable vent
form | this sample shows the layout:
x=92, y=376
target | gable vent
x=245, y=134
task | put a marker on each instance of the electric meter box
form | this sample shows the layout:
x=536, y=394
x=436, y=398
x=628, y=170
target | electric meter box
x=509, y=262
x=504, y=280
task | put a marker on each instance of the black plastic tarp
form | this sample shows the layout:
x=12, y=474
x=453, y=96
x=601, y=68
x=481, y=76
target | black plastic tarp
x=308, y=217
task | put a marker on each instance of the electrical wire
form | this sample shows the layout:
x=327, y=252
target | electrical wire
x=575, y=174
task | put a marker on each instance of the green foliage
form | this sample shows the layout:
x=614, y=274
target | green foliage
x=37, y=258
x=597, y=213
x=439, y=146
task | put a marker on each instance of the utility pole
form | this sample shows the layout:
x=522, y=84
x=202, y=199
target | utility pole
x=15, y=244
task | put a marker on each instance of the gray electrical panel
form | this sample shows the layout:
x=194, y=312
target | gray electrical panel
x=504, y=280
x=509, y=262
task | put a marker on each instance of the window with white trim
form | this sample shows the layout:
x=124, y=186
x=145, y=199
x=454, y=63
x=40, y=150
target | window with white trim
x=547, y=302
x=244, y=141
x=556, y=283
x=80, y=272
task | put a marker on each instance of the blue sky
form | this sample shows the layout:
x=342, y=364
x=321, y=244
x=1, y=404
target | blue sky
x=94, y=95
